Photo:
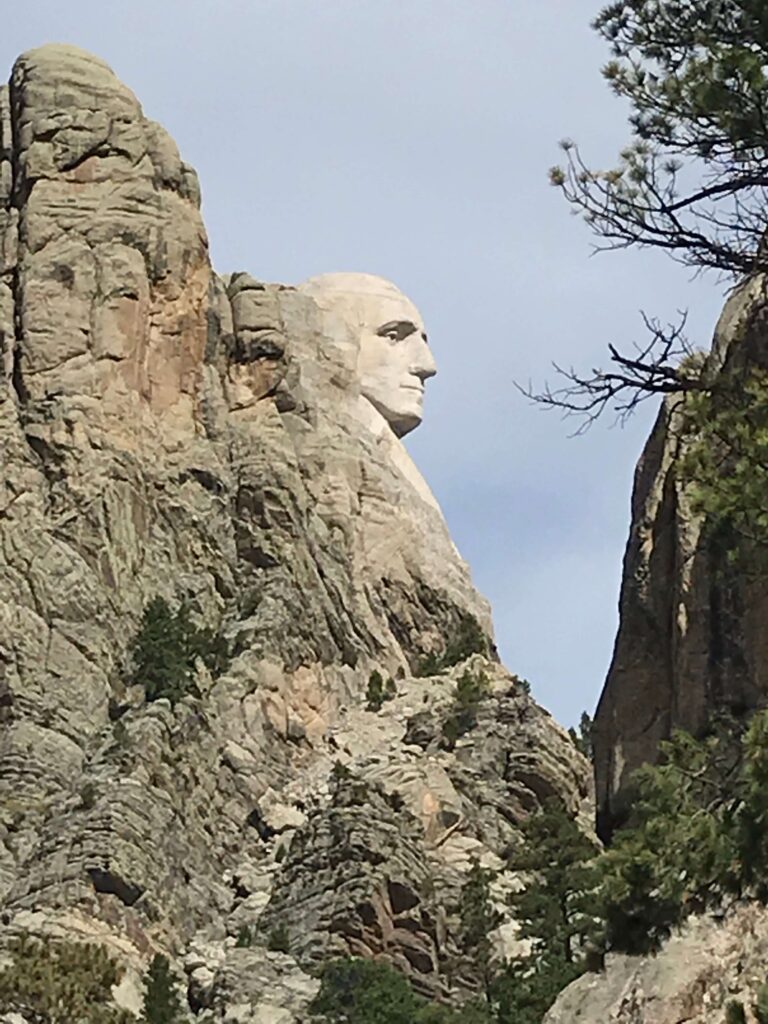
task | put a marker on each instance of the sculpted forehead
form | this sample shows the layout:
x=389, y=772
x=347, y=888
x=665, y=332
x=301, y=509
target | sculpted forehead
x=363, y=298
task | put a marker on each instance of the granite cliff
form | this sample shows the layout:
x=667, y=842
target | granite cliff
x=691, y=640
x=170, y=433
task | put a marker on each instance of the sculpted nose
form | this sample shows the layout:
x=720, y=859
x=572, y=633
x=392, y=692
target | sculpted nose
x=424, y=364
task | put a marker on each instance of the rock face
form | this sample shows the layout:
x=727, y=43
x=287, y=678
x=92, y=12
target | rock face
x=697, y=973
x=691, y=640
x=166, y=432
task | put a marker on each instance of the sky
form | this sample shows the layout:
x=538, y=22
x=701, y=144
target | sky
x=412, y=139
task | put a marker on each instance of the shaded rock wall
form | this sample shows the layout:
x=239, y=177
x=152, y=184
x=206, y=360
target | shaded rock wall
x=691, y=640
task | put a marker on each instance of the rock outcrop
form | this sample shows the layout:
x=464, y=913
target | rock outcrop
x=691, y=641
x=166, y=432
x=709, y=964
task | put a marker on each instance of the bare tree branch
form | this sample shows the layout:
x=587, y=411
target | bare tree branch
x=663, y=366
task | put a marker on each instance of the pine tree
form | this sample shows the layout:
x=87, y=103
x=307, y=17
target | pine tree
x=677, y=853
x=691, y=182
x=556, y=907
x=556, y=911
x=582, y=739
x=161, y=1001
x=166, y=647
x=60, y=982
x=478, y=919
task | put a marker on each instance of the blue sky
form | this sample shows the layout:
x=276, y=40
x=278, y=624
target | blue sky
x=411, y=138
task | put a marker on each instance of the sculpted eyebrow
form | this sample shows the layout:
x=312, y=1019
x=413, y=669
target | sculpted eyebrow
x=403, y=328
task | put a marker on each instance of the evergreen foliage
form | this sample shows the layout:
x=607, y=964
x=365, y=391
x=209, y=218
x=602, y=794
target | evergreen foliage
x=478, y=919
x=279, y=939
x=556, y=912
x=245, y=937
x=471, y=690
x=698, y=832
x=726, y=463
x=166, y=648
x=357, y=991
x=378, y=692
x=61, y=982
x=525, y=989
x=760, y=1007
x=734, y=1012
x=691, y=182
x=556, y=909
x=161, y=1001
x=467, y=640
x=694, y=75
x=583, y=738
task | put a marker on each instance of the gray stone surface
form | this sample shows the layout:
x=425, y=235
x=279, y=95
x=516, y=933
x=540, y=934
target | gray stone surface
x=691, y=639
x=167, y=432
x=708, y=964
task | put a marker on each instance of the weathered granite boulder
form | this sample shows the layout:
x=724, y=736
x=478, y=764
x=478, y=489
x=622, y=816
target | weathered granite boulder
x=166, y=432
x=698, y=972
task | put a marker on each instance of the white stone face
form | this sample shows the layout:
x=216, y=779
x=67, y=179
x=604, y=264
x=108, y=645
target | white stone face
x=394, y=359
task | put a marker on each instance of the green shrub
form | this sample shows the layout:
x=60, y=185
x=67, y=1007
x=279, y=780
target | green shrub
x=760, y=1007
x=671, y=857
x=582, y=739
x=345, y=785
x=524, y=991
x=165, y=649
x=698, y=832
x=88, y=795
x=524, y=685
x=356, y=991
x=378, y=691
x=279, y=939
x=556, y=909
x=471, y=690
x=478, y=919
x=245, y=937
x=468, y=639
x=120, y=735
x=61, y=982
x=161, y=1000
x=430, y=665
x=734, y=1013
x=476, y=913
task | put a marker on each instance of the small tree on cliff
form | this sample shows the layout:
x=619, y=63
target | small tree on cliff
x=692, y=181
x=60, y=982
x=161, y=1000
x=556, y=910
x=166, y=647
x=556, y=907
x=478, y=919
x=698, y=833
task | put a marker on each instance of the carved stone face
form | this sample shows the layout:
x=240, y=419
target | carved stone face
x=394, y=358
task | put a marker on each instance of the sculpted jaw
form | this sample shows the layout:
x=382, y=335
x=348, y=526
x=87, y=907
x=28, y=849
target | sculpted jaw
x=394, y=359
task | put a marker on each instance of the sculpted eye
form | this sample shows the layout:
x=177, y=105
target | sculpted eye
x=396, y=330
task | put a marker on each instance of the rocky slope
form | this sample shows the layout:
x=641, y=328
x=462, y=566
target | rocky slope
x=166, y=432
